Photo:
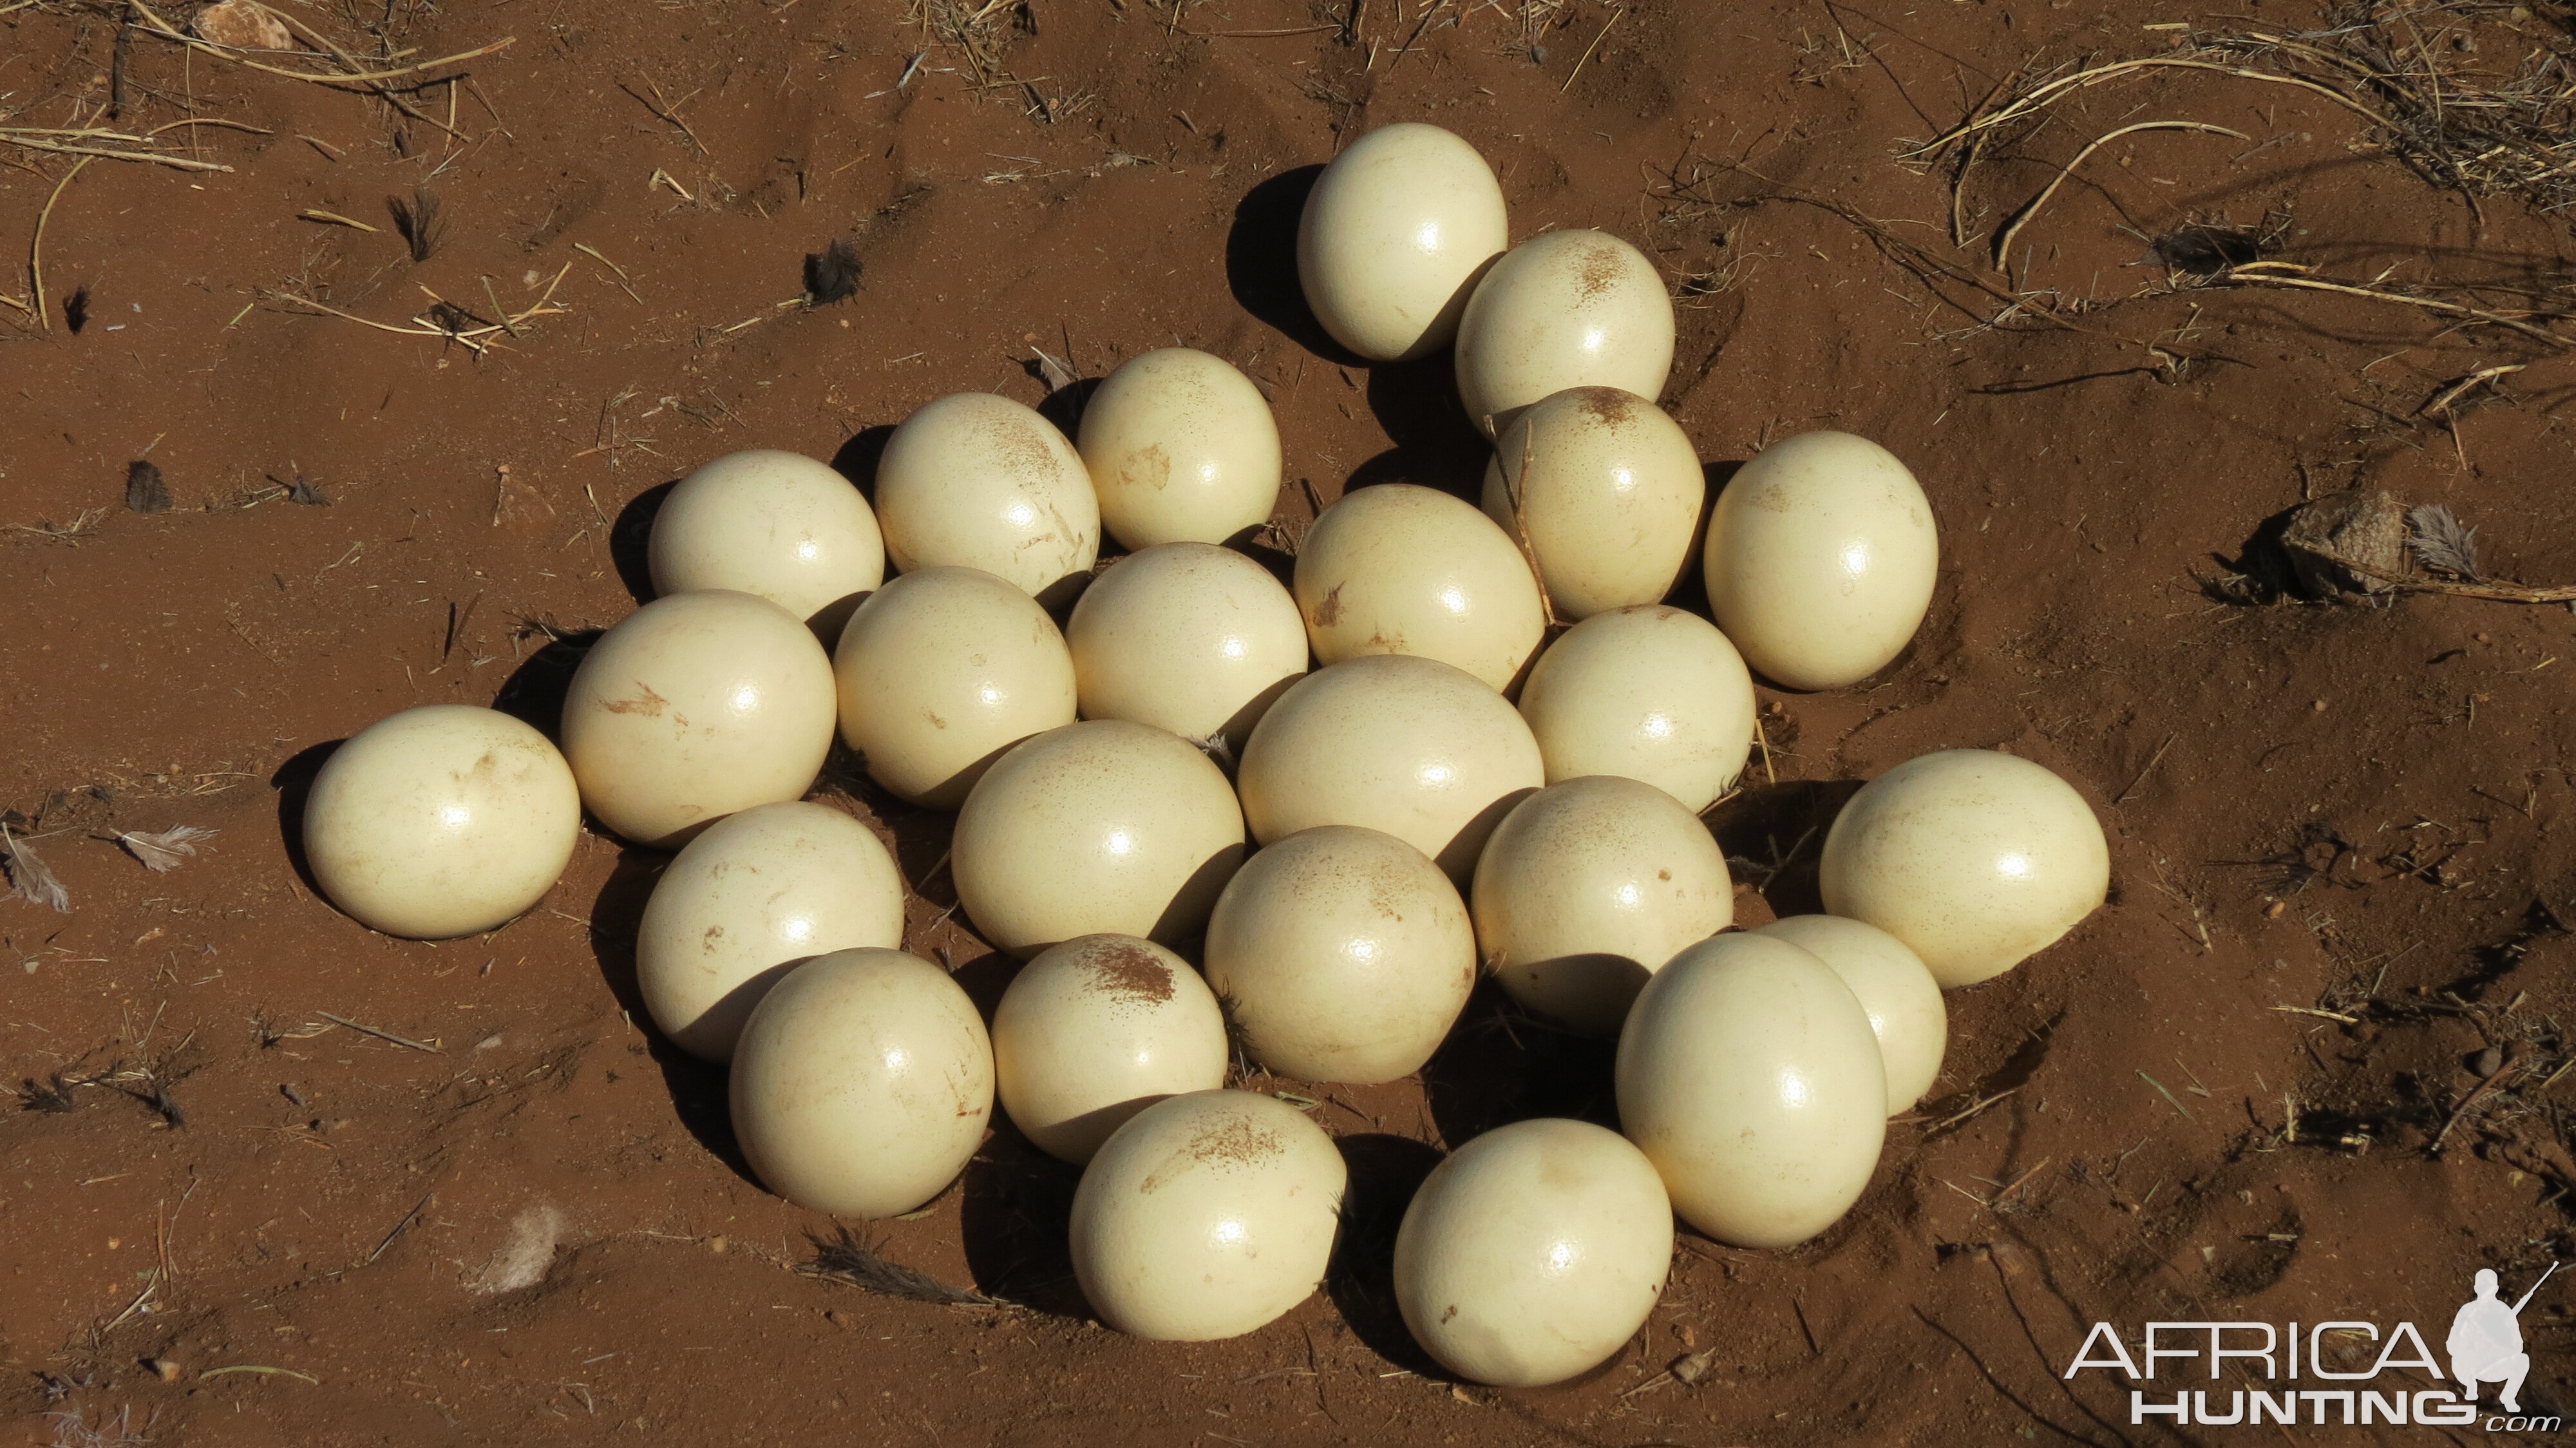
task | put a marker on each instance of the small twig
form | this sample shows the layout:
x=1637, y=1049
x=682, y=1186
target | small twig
x=2012, y=228
x=379, y=1035
x=1947, y=1122
x=256, y=1368
x=1587, y=50
x=2150, y=769
x=2321, y=1014
x=402, y=1226
x=2167, y=1095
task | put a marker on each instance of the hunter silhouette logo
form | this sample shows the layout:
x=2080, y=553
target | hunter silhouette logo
x=2484, y=1347
x=2486, y=1341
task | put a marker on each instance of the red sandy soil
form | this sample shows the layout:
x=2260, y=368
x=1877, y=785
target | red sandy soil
x=2353, y=808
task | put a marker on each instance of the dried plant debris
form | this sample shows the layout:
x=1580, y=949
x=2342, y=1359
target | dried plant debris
x=76, y=309
x=847, y=1257
x=2205, y=250
x=306, y=492
x=1053, y=371
x=166, y=850
x=29, y=879
x=832, y=274
x=146, y=491
x=419, y=221
x=2442, y=543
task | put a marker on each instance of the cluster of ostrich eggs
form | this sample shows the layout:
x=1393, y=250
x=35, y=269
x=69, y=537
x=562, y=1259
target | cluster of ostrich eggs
x=1287, y=815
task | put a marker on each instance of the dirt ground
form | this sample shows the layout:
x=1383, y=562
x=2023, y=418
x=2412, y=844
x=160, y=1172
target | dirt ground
x=236, y=1209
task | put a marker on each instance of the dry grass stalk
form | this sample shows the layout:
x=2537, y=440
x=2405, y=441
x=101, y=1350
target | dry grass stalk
x=2021, y=218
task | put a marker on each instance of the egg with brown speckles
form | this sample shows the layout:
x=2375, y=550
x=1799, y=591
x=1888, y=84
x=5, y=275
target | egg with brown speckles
x=942, y=670
x=1207, y=1216
x=1607, y=492
x=978, y=481
x=1402, y=569
x=1342, y=954
x=1181, y=448
x=1651, y=693
x=1097, y=1029
x=1102, y=826
x=862, y=1084
x=695, y=706
x=1587, y=888
x=441, y=821
x=747, y=901
x=1565, y=309
x=1409, y=746
x=1188, y=637
x=1820, y=560
x=776, y=524
x=1393, y=237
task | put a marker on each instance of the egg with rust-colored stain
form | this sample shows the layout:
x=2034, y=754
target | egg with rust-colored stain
x=1394, y=236
x=978, y=481
x=1976, y=859
x=1342, y=954
x=1820, y=560
x=757, y=894
x=1206, y=1216
x=862, y=1084
x=1747, y=1073
x=441, y=821
x=1097, y=1029
x=1181, y=448
x=1534, y=1252
x=940, y=672
x=1188, y=637
x=1390, y=742
x=1099, y=827
x=1649, y=693
x=1587, y=888
x=695, y=706
x=1906, y=1012
x=776, y=524
x=1564, y=309
x=1607, y=492
x=1402, y=569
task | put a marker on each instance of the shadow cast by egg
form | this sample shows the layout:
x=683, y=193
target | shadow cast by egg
x=293, y=782
x=1385, y=1171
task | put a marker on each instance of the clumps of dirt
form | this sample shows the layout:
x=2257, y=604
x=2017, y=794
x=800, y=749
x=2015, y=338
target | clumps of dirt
x=1130, y=973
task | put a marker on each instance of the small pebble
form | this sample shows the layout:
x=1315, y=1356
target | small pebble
x=2275, y=910
x=840, y=1319
x=1691, y=1367
x=2486, y=1063
x=162, y=1368
x=717, y=1245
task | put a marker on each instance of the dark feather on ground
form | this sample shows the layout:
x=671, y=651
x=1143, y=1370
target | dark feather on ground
x=146, y=491
x=2442, y=543
x=846, y=1257
x=76, y=309
x=832, y=274
x=419, y=222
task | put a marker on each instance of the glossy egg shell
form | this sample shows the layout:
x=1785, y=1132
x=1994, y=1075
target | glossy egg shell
x=776, y=524
x=1748, y=1075
x=862, y=1083
x=1534, y=1252
x=1977, y=860
x=1097, y=1029
x=1181, y=448
x=1608, y=492
x=441, y=821
x=697, y=705
x=978, y=481
x=1401, y=569
x=756, y=894
x=1565, y=309
x=1187, y=637
x=1650, y=693
x=1206, y=1216
x=1820, y=560
x=1893, y=985
x=1393, y=237
x=941, y=671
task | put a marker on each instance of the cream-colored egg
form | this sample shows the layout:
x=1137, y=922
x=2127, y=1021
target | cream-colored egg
x=1181, y=448
x=695, y=706
x=776, y=524
x=1820, y=559
x=1096, y=1030
x=1587, y=888
x=1206, y=1216
x=1893, y=986
x=746, y=902
x=862, y=1083
x=1976, y=860
x=1401, y=569
x=1650, y=693
x=942, y=670
x=1608, y=493
x=1395, y=233
x=1566, y=309
x=1748, y=1075
x=1187, y=637
x=1099, y=827
x=1342, y=954
x=978, y=481
x=1534, y=1252
x=1390, y=742
x=441, y=821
